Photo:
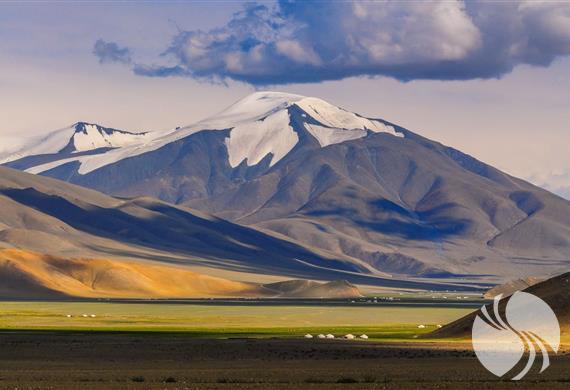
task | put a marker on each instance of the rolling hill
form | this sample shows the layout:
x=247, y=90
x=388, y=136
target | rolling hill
x=509, y=288
x=554, y=291
x=29, y=275
x=36, y=276
x=61, y=227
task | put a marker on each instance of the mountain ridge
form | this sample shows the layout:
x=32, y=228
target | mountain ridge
x=378, y=194
x=50, y=217
x=256, y=122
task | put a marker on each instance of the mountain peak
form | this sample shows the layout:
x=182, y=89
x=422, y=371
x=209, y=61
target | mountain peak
x=79, y=137
x=273, y=95
x=85, y=127
x=255, y=106
x=262, y=104
x=261, y=124
x=88, y=136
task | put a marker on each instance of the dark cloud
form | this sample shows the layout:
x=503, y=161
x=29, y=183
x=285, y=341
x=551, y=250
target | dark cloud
x=308, y=41
x=110, y=52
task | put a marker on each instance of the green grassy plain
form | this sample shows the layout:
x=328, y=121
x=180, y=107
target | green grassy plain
x=242, y=346
x=221, y=321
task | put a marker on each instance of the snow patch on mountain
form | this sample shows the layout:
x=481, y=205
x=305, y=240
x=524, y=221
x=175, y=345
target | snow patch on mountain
x=89, y=137
x=250, y=109
x=253, y=141
x=335, y=117
x=52, y=143
x=329, y=136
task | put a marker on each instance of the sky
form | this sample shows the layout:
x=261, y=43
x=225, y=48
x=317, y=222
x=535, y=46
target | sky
x=490, y=79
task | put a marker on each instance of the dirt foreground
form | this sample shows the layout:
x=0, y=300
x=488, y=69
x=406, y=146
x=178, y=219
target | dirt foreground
x=40, y=360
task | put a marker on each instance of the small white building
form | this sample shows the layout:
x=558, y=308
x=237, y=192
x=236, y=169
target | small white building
x=421, y=326
x=329, y=336
x=321, y=336
x=363, y=336
x=349, y=336
x=308, y=336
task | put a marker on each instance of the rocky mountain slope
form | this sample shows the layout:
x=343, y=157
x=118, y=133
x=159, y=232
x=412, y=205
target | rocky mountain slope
x=363, y=189
x=49, y=217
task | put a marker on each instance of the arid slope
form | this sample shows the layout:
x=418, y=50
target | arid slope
x=27, y=274
x=30, y=275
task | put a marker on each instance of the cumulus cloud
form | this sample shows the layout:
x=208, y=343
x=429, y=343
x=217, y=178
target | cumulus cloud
x=109, y=52
x=308, y=41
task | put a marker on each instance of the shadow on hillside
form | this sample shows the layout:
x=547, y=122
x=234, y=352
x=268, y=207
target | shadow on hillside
x=394, y=220
x=211, y=242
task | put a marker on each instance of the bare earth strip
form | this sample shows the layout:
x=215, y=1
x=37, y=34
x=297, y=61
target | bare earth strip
x=175, y=361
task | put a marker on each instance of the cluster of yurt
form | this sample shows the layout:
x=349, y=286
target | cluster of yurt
x=330, y=336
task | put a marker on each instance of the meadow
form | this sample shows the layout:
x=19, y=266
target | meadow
x=222, y=321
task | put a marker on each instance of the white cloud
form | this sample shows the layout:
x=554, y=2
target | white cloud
x=295, y=51
x=308, y=41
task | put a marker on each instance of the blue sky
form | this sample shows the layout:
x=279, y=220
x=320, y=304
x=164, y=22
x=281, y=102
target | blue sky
x=490, y=79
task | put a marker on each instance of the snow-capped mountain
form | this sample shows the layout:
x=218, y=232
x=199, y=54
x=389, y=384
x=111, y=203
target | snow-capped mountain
x=76, y=140
x=337, y=182
x=260, y=125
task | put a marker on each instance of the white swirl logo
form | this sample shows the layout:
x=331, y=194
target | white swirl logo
x=529, y=324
